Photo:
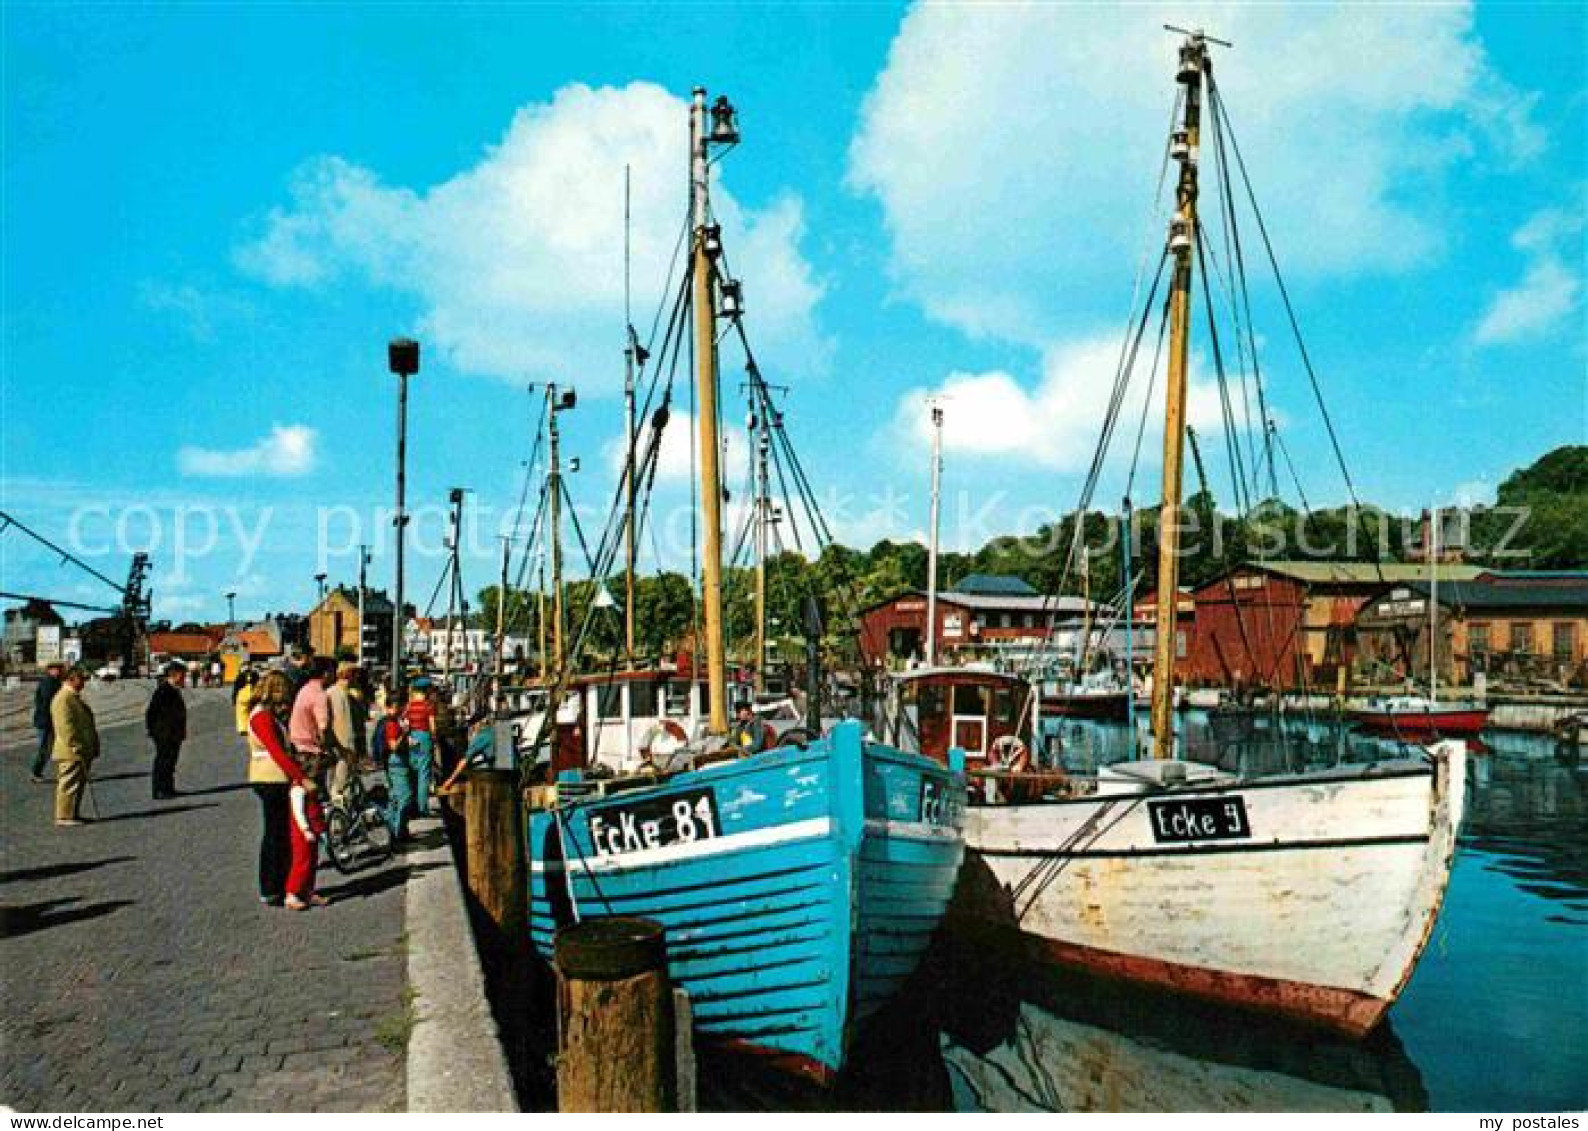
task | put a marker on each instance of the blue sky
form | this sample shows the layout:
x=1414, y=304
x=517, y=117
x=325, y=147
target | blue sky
x=214, y=217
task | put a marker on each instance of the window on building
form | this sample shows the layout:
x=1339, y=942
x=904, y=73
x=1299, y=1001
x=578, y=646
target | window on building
x=1522, y=636
x=1179, y=644
x=1478, y=640
x=1565, y=640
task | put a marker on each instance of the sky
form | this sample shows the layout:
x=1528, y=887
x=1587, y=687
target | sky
x=215, y=216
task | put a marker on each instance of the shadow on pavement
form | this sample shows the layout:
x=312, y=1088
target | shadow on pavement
x=233, y=788
x=28, y=918
x=120, y=777
x=163, y=811
x=373, y=883
x=51, y=871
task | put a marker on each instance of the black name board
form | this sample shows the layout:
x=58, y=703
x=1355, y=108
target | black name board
x=655, y=822
x=1199, y=818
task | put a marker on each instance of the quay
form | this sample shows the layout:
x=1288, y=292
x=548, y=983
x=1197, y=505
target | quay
x=140, y=972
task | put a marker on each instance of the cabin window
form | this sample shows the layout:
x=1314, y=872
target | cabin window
x=1565, y=640
x=677, y=699
x=642, y=701
x=609, y=701
x=1478, y=639
x=970, y=699
x=1522, y=637
x=932, y=701
x=1004, y=706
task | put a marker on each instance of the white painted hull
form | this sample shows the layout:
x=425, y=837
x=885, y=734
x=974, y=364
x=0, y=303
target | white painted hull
x=1318, y=912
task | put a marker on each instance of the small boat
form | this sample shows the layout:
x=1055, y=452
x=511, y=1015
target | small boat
x=1418, y=718
x=1097, y=695
x=1307, y=894
x=798, y=886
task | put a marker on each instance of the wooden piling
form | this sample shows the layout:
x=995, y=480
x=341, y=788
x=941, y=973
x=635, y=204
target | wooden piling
x=615, y=1023
x=493, y=822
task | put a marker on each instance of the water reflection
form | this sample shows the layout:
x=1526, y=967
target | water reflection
x=1492, y=1020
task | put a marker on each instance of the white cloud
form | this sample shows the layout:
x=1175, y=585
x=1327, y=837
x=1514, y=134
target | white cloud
x=1549, y=290
x=1056, y=424
x=1014, y=148
x=290, y=449
x=677, y=462
x=517, y=260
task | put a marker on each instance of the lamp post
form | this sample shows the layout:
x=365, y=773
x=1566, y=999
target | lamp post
x=402, y=356
x=231, y=609
x=319, y=582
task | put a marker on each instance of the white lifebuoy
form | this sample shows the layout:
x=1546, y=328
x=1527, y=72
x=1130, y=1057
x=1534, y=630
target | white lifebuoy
x=1009, y=753
x=662, y=739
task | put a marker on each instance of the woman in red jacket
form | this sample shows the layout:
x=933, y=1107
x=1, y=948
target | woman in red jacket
x=273, y=771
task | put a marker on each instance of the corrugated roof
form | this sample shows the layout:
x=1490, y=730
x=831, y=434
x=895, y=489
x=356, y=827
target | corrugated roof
x=1364, y=573
x=994, y=585
x=1021, y=603
x=1502, y=595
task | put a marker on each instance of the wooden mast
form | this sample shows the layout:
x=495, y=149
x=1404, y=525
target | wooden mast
x=1182, y=243
x=763, y=516
x=554, y=527
x=931, y=552
x=631, y=345
x=706, y=404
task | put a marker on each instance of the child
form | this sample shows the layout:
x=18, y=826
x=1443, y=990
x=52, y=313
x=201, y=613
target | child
x=391, y=751
x=308, y=825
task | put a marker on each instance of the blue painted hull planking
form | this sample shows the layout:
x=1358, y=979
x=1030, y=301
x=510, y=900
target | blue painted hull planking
x=799, y=887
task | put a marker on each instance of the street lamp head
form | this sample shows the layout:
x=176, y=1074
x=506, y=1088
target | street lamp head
x=402, y=355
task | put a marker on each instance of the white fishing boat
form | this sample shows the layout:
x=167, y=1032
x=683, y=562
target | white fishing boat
x=1309, y=895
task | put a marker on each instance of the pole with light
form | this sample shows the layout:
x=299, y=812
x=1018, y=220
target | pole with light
x=402, y=356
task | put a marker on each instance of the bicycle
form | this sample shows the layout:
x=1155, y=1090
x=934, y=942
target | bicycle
x=356, y=833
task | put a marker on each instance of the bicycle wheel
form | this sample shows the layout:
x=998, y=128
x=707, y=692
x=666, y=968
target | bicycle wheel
x=376, y=834
x=339, y=841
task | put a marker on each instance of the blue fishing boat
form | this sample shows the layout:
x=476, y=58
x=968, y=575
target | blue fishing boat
x=798, y=887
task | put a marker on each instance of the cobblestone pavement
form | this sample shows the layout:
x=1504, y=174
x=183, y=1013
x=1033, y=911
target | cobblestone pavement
x=138, y=970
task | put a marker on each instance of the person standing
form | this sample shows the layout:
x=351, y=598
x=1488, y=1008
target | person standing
x=392, y=750
x=243, y=699
x=43, y=696
x=344, y=728
x=273, y=771
x=76, y=746
x=310, y=723
x=166, y=721
x=300, y=666
x=420, y=715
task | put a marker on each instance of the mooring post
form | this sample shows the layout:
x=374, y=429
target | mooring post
x=615, y=1024
x=495, y=861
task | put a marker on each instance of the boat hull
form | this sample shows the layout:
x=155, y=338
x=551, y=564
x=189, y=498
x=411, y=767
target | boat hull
x=806, y=909
x=1422, y=725
x=1315, y=907
x=1111, y=707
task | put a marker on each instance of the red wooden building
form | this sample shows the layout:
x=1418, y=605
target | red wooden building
x=978, y=616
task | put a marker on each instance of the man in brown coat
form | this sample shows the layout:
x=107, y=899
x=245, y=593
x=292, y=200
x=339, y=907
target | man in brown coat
x=76, y=746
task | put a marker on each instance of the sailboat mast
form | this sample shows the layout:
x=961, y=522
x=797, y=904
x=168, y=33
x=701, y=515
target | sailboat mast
x=931, y=554
x=763, y=516
x=1433, y=606
x=1182, y=241
x=629, y=439
x=706, y=403
x=554, y=526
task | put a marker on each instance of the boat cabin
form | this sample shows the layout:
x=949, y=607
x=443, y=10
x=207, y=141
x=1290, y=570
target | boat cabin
x=932, y=709
x=625, y=720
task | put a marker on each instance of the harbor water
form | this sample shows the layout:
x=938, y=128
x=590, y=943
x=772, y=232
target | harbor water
x=1490, y=1021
